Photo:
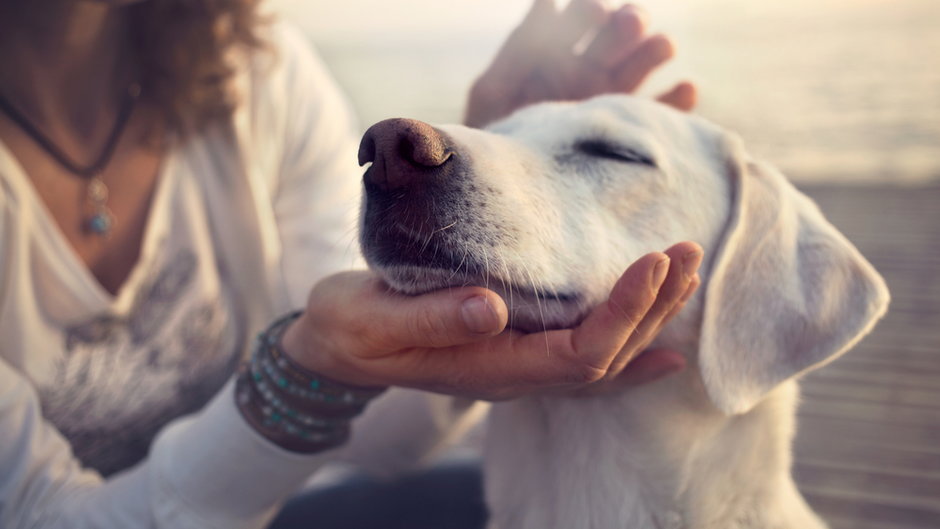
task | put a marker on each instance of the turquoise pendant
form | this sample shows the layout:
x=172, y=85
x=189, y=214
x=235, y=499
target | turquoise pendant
x=100, y=223
x=102, y=220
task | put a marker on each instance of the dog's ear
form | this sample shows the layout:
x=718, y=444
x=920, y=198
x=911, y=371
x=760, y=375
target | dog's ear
x=787, y=291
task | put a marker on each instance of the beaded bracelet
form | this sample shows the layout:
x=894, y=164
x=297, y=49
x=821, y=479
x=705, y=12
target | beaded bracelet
x=295, y=408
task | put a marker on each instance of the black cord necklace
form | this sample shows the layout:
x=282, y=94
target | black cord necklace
x=101, y=219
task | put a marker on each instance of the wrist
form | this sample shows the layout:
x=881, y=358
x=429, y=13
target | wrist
x=301, y=345
x=293, y=343
x=295, y=408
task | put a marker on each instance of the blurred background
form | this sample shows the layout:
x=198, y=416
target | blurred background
x=835, y=90
x=843, y=95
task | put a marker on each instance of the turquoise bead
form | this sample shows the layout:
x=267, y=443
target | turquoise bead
x=100, y=223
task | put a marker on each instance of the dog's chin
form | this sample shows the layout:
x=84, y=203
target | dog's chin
x=530, y=310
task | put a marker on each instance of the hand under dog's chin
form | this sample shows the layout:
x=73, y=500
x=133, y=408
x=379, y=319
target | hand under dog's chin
x=528, y=311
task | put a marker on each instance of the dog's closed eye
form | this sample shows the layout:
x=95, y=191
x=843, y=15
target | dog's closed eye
x=611, y=151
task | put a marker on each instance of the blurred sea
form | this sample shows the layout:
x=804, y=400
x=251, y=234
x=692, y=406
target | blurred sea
x=836, y=91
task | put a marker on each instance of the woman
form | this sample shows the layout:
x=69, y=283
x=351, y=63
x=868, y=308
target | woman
x=174, y=175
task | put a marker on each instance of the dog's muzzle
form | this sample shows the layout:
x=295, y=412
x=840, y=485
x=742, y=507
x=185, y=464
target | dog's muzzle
x=415, y=190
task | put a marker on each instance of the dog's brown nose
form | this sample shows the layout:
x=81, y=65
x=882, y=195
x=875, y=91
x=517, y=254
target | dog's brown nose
x=403, y=152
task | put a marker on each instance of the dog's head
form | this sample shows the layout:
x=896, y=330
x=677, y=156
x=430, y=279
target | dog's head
x=550, y=205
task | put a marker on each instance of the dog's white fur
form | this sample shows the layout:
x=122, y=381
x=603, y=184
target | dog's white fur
x=783, y=292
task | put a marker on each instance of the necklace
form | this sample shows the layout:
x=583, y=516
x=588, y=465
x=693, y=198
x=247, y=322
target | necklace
x=101, y=220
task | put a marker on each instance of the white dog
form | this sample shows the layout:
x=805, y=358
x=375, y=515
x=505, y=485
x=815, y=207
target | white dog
x=547, y=207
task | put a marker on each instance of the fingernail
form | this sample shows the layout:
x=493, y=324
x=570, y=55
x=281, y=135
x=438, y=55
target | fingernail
x=479, y=316
x=691, y=262
x=659, y=273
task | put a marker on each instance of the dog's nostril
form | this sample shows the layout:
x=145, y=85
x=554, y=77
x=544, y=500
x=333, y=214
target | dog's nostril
x=366, y=150
x=404, y=153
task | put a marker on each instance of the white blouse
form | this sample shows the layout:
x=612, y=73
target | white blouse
x=246, y=218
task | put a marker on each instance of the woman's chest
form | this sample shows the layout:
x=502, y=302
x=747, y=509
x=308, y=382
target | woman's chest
x=111, y=369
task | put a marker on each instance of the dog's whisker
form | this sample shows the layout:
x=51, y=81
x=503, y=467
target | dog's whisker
x=486, y=270
x=445, y=228
x=538, y=303
x=459, y=266
x=427, y=242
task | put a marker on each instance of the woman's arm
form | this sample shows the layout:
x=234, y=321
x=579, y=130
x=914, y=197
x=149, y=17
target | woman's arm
x=209, y=470
x=316, y=198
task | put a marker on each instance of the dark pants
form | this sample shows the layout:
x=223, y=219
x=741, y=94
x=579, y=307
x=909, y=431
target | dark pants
x=444, y=497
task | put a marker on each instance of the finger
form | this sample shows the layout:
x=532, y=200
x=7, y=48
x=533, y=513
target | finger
x=685, y=258
x=650, y=54
x=618, y=38
x=530, y=35
x=683, y=96
x=514, y=363
x=505, y=366
x=437, y=319
x=566, y=356
x=579, y=17
x=608, y=327
x=541, y=10
x=589, y=74
x=514, y=60
x=682, y=257
x=651, y=365
x=693, y=287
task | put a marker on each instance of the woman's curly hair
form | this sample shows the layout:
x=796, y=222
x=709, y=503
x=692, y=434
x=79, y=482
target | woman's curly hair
x=182, y=49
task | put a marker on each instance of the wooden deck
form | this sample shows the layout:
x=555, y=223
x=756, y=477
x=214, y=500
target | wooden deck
x=868, y=448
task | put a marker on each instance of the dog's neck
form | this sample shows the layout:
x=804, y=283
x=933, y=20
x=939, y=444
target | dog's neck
x=658, y=456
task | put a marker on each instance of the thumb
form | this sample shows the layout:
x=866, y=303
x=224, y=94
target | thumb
x=441, y=318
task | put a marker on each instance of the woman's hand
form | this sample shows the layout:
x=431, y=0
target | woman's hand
x=539, y=62
x=454, y=341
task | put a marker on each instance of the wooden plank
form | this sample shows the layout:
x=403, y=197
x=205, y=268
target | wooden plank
x=836, y=522
x=813, y=449
x=851, y=508
x=879, y=412
x=887, y=396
